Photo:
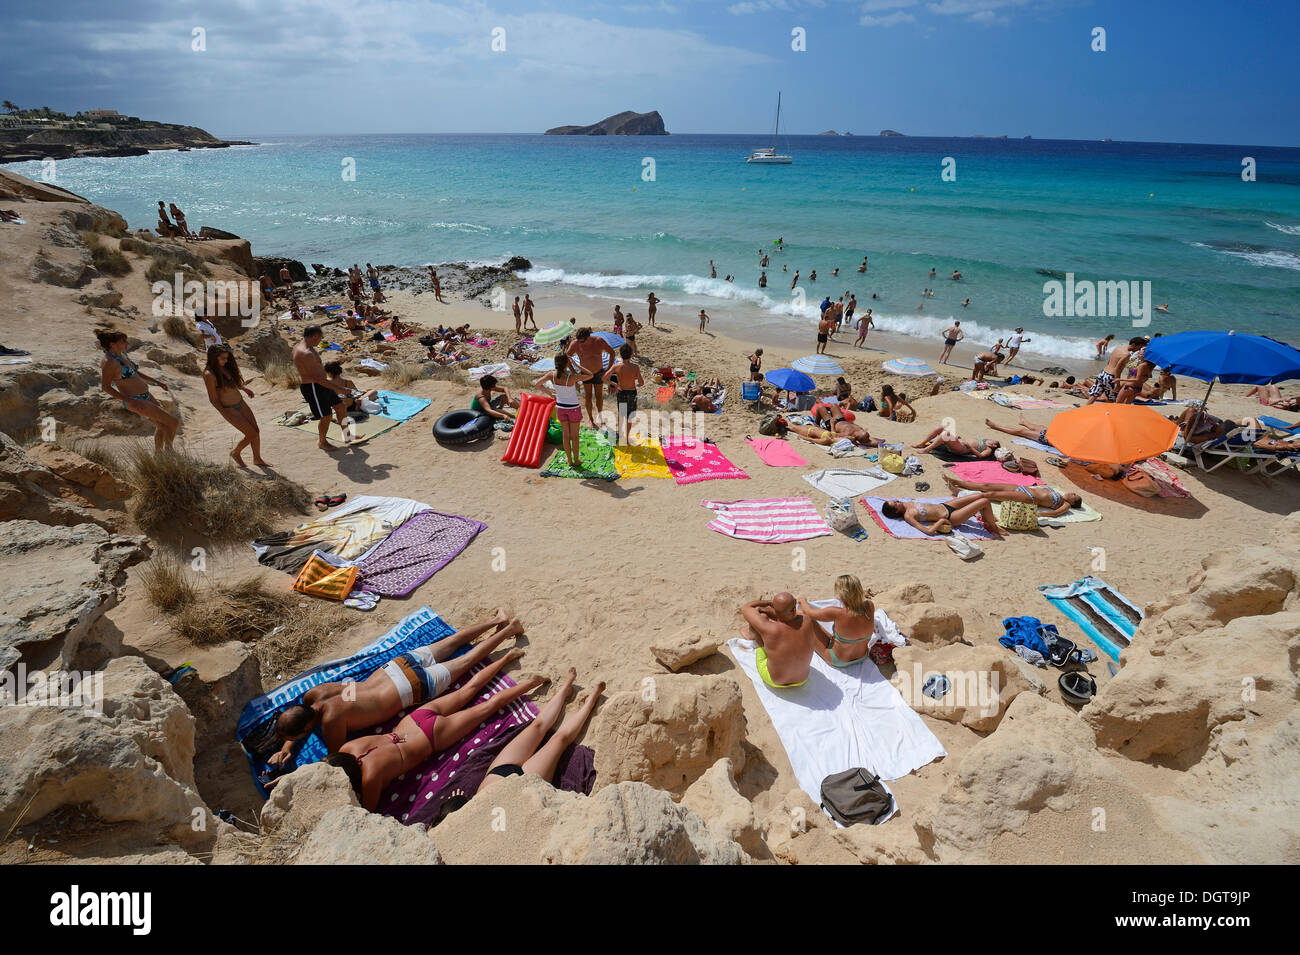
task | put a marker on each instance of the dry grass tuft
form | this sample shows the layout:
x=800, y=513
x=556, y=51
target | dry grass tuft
x=402, y=373
x=281, y=374
x=176, y=490
x=177, y=327
x=107, y=260
x=167, y=584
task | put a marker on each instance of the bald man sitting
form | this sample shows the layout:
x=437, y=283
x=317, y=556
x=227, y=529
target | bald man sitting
x=785, y=639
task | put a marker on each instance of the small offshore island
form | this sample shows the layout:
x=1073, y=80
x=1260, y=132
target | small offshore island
x=626, y=123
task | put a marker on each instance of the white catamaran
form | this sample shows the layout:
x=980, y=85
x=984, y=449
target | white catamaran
x=768, y=154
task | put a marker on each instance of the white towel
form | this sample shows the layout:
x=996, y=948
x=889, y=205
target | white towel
x=848, y=482
x=841, y=719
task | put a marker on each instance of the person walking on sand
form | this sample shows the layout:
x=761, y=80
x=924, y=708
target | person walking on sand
x=122, y=378
x=324, y=399
x=567, y=407
x=652, y=303
x=785, y=638
x=865, y=324
x=224, y=383
x=704, y=319
x=951, y=336
x=590, y=354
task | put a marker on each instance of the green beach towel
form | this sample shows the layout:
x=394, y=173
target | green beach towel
x=596, y=453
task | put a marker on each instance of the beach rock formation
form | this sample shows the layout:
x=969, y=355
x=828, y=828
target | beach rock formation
x=31, y=491
x=670, y=732
x=130, y=768
x=19, y=145
x=75, y=469
x=985, y=679
x=890, y=132
x=680, y=649
x=349, y=835
x=58, y=582
x=912, y=607
x=626, y=123
x=727, y=814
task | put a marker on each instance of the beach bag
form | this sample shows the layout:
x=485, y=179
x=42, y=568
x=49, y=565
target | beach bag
x=1028, y=467
x=1018, y=516
x=841, y=515
x=854, y=796
x=770, y=425
x=320, y=578
x=893, y=463
x=964, y=547
x=866, y=404
x=1141, y=483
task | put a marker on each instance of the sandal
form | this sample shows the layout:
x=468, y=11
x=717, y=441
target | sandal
x=337, y=500
x=322, y=503
x=1056, y=462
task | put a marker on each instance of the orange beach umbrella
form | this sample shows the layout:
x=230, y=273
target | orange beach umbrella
x=1111, y=434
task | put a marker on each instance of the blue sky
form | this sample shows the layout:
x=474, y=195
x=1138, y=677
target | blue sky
x=1173, y=71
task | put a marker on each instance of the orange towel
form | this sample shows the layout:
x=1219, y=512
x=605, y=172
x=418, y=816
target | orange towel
x=665, y=394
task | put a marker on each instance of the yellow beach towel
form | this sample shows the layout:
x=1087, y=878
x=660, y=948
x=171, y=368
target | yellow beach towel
x=642, y=460
x=322, y=579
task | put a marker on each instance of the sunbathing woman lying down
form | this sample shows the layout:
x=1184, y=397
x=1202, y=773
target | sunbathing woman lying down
x=1049, y=501
x=372, y=762
x=836, y=431
x=931, y=518
x=982, y=448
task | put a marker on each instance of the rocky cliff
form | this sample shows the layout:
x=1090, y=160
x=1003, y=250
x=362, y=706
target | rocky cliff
x=19, y=145
x=620, y=124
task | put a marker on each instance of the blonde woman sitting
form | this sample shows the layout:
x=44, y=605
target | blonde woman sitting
x=852, y=625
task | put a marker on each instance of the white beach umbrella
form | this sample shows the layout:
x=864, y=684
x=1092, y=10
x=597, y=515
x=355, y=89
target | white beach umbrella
x=908, y=367
x=817, y=365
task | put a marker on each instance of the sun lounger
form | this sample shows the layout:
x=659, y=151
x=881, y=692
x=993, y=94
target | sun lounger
x=1233, y=447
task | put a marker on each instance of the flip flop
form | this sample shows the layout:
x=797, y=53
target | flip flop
x=1056, y=462
x=322, y=503
x=337, y=500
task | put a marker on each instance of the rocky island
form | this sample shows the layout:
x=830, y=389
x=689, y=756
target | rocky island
x=43, y=133
x=626, y=123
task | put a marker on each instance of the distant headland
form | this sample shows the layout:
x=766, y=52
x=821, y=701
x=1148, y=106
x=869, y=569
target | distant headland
x=43, y=133
x=626, y=123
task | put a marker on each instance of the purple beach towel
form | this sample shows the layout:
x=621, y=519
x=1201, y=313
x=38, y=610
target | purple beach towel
x=900, y=528
x=414, y=552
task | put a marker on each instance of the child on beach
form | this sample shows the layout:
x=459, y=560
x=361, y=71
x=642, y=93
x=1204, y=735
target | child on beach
x=492, y=399
x=567, y=406
x=629, y=377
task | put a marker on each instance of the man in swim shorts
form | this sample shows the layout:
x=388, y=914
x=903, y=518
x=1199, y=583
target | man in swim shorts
x=323, y=397
x=785, y=640
x=951, y=336
x=1106, y=386
x=336, y=711
x=589, y=353
x=628, y=375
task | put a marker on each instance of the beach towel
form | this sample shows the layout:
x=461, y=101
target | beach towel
x=543, y=365
x=414, y=552
x=990, y=472
x=1082, y=514
x=1036, y=445
x=364, y=430
x=256, y=727
x=1167, y=482
x=848, y=482
x=373, y=365
x=497, y=370
x=665, y=394
x=776, y=453
x=900, y=528
x=1106, y=616
x=770, y=521
x=841, y=719
x=348, y=533
x=717, y=398
x=692, y=460
x=400, y=407
x=595, y=454
x=644, y=460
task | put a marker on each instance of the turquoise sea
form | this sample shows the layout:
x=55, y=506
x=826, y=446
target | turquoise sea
x=1223, y=252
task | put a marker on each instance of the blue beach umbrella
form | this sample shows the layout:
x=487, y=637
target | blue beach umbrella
x=787, y=379
x=610, y=339
x=1224, y=356
x=817, y=365
x=908, y=367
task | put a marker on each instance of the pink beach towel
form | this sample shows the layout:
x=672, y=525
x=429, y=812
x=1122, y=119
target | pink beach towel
x=990, y=472
x=691, y=460
x=770, y=521
x=776, y=453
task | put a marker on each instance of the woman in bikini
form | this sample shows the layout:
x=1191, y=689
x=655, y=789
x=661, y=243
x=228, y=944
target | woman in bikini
x=892, y=405
x=121, y=378
x=931, y=518
x=224, y=384
x=372, y=762
x=852, y=625
x=981, y=448
x=839, y=428
x=1049, y=501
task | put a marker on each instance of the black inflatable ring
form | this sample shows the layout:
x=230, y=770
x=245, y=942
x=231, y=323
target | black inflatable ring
x=462, y=427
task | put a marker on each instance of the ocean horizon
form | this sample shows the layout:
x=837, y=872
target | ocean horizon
x=615, y=218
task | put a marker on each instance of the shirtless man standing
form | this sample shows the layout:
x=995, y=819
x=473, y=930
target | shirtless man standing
x=1106, y=385
x=336, y=711
x=785, y=639
x=951, y=336
x=823, y=332
x=323, y=397
x=628, y=374
x=865, y=324
x=589, y=353
x=437, y=284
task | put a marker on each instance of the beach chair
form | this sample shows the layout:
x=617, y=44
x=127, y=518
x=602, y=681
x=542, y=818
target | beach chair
x=1233, y=448
x=752, y=391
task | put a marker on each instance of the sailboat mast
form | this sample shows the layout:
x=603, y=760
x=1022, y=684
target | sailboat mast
x=777, y=131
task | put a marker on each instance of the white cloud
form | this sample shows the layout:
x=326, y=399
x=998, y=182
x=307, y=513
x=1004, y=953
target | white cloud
x=888, y=20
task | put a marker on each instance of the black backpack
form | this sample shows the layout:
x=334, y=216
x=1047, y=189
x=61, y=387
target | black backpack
x=856, y=795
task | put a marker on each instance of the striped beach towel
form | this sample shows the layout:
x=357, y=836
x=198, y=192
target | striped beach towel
x=1100, y=611
x=320, y=578
x=770, y=521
